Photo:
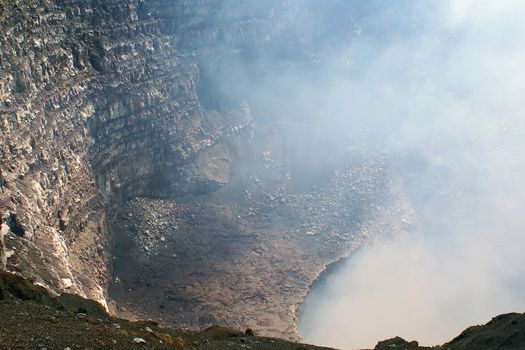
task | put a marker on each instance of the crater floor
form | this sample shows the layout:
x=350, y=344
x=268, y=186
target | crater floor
x=246, y=256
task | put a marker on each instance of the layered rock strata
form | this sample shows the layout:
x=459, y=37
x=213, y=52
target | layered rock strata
x=98, y=104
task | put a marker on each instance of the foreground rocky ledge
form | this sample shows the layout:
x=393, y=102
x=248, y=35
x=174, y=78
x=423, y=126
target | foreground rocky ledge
x=32, y=319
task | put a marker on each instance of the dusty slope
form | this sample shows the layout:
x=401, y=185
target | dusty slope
x=31, y=319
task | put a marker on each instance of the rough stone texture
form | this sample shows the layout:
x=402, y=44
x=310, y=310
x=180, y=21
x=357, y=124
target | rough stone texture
x=56, y=323
x=97, y=104
x=48, y=186
x=70, y=322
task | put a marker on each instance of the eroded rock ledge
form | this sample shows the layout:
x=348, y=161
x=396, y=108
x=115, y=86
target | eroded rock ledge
x=98, y=103
x=70, y=321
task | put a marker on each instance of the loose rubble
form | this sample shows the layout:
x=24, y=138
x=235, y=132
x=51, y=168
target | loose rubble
x=247, y=255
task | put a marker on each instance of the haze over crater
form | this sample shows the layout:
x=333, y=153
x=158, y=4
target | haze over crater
x=442, y=88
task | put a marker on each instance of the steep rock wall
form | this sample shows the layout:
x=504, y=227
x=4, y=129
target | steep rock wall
x=104, y=101
x=97, y=104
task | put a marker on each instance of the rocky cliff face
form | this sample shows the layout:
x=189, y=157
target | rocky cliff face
x=103, y=102
x=98, y=103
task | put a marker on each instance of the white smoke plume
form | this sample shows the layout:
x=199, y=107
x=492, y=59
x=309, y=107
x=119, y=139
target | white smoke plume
x=442, y=85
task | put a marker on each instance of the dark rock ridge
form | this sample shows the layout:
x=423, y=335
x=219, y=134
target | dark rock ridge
x=73, y=322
